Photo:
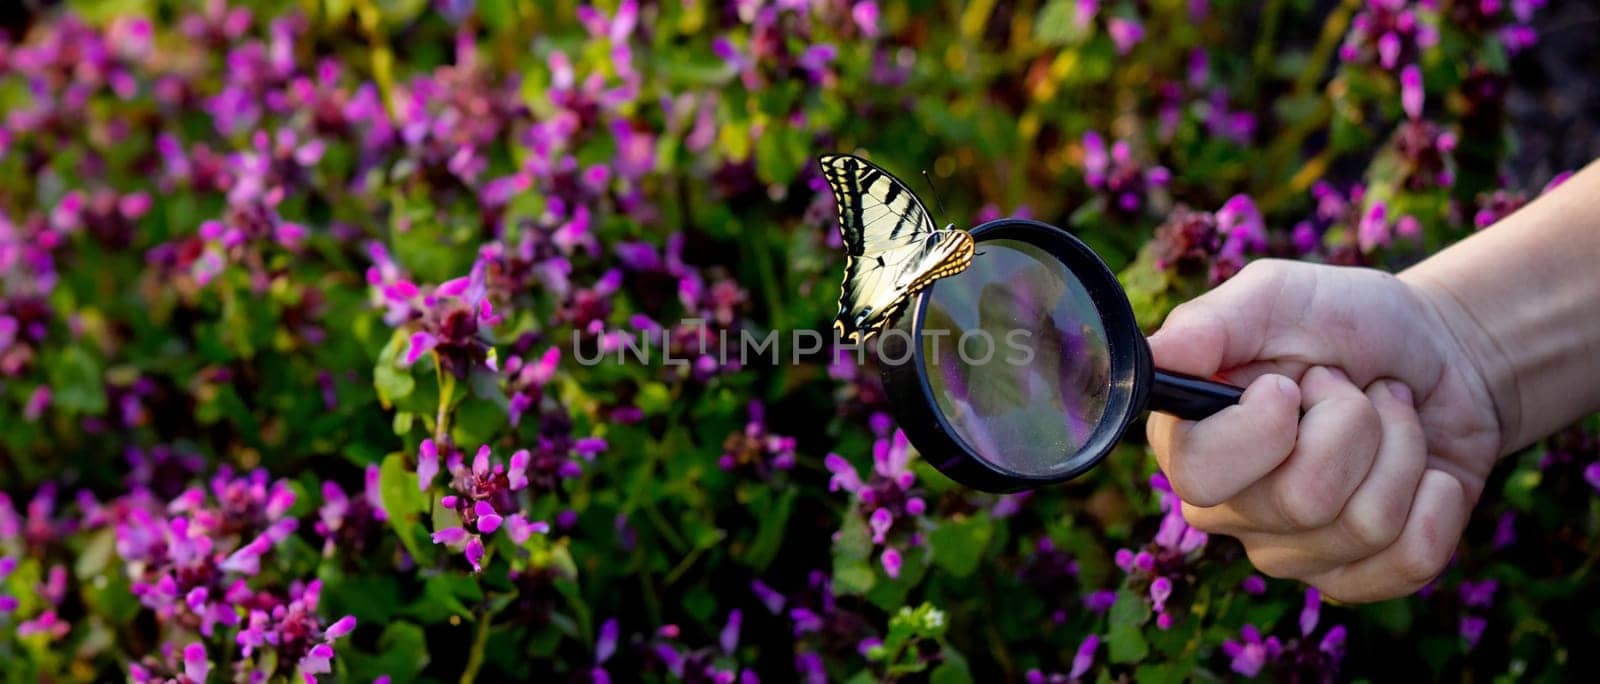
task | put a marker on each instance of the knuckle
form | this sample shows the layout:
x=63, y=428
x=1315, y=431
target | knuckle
x=1364, y=416
x=1270, y=564
x=1263, y=268
x=1373, y=527
x=1187, y=490
x=1307, y=508
x=1199, y=518
x=1193, y=310
x=1420, y=561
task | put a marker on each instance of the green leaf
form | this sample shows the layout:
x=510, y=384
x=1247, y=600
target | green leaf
x=393, y=382
x=1056, y=24
x=953, y=671
x=402, y=654
x=579, y=607
x=478, y=422
x=1126, y=637
x=853, y=542
x=781, y=153
x=397, y=487
x=653, y=399
x=774, y=522
x=1161, y=673
x=958, y=545
x=852, y=577
x=889, y=592
x=445, y=596
x=75, y=380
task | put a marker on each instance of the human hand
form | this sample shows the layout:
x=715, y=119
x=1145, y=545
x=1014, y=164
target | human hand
x=1366, y=492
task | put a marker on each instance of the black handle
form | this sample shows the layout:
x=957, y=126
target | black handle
x=1189, y=397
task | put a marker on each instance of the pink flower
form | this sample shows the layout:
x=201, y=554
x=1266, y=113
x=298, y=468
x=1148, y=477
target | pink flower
x=195, y=665
x=865, y=15
x=421, y=343
x=1126, y=33
x=475, y=553
x=1374, y=229
x=427, y=464
x=891, y=561
x=38, y=401
x=1084, y=658
x=1411, y=93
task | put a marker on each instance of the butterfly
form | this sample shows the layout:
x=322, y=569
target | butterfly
x=893, y=249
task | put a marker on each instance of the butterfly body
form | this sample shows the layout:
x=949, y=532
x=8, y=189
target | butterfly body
x=893, y=249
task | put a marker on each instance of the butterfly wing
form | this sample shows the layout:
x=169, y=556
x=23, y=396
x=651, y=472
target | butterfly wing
x=892, y=247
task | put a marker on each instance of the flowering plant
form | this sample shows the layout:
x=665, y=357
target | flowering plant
x=320, y=332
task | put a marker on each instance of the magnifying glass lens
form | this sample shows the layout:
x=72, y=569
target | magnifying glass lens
x=1015, y=354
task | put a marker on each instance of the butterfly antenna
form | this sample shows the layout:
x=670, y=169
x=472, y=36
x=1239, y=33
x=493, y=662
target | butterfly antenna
x=937, y=199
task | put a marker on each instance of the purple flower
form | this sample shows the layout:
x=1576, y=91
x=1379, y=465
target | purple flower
x=1311, y=610
x=891, y=561
x=1084, y=658
x=1100, y=601
x=486, y=499
x=38, y=401
x=195, y=665
x=1505, y=531
x=865, y=15
x=427, y=464
x=755, y=452
x=1478, y=594
x=1249, y=654
x=7, y=566
x=1411, y=93
x=1374, y=230
x=1472, y=628
x=1126, y=33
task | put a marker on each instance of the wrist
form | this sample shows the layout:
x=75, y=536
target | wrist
x=1473, y=353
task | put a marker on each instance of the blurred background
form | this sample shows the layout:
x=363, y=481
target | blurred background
x=292, y=295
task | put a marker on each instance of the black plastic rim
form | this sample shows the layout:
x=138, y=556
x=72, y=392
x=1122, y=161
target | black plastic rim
x=911, y=398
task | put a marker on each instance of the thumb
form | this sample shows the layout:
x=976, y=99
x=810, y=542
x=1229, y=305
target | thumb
x=1227, y=327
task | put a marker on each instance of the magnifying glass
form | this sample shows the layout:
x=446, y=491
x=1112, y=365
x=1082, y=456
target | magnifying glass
x=1026, y=368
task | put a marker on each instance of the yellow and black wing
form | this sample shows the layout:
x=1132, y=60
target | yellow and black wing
x=892, y=246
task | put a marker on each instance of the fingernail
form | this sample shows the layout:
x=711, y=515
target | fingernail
x=1337, y=373
x=1400, y=391
x=1285, y=385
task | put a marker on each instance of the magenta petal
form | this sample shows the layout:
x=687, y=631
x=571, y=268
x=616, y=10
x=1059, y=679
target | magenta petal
x=487, y=524
x=475, y=553
x=480, y=462
x=1591, y=474
x=421, y=343
x=1084, y=657
x=1411, y=93
x=518, y=474
x=340, y=628
x=195, y=666
x=427, y=464
x=891, y=562
x=450, y=536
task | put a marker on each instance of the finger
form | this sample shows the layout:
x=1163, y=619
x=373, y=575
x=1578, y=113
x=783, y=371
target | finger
x=1230, y=325
x=1433, y=530
x=1250, y=372
x=1212, y=460
x=1375, y=515
x=1333, y=452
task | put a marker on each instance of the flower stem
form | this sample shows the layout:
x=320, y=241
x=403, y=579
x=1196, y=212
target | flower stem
x=480, y=643
x=447, y=390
